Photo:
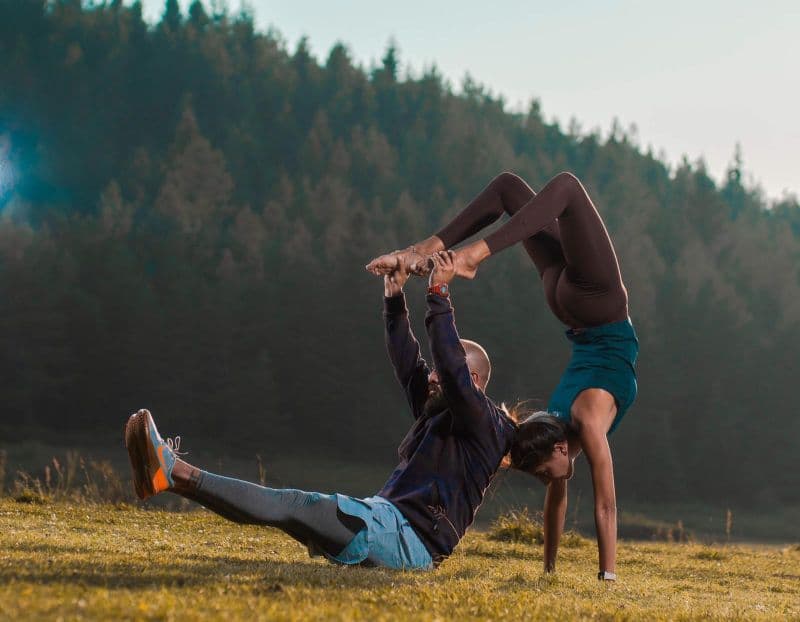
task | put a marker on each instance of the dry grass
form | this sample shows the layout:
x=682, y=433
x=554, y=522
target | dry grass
x=520, y=526
x=73, y=560
x=72, y=478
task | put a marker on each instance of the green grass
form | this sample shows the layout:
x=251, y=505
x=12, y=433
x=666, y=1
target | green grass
x=102, y=561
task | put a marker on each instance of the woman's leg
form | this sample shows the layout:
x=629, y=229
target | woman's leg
x=584, y=239
x=562, y=233
x=305, y=516
x=506, y=193
x=592, y=291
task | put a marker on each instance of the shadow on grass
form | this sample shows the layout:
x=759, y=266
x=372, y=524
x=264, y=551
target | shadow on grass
x=194, y=569
x=501, y=553
x=524, y=582
x=466, y=573
x=786, y=575
x=54, y=548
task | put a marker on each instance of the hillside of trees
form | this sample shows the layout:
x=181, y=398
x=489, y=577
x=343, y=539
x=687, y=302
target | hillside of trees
x=187, y=208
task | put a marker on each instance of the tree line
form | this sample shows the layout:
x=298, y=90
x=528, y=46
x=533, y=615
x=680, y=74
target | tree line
x=189, y=205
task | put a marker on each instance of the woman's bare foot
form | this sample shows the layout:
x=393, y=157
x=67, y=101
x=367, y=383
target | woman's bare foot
x=467, y=259
x=390, y=262
x=415, y=258
x=464, y=266
x=384, y=264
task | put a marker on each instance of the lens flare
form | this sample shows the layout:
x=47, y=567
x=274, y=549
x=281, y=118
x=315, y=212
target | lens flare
x=6, y=170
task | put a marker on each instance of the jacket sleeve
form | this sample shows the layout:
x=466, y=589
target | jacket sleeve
x=410, y=368
x=468, y=404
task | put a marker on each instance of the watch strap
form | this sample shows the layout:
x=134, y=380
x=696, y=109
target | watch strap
x=440, y=289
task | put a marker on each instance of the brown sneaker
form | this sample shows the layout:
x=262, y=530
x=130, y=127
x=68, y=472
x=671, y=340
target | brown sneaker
x=151, y=457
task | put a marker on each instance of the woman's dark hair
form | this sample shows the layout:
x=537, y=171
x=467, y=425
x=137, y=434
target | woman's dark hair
x=536, y=436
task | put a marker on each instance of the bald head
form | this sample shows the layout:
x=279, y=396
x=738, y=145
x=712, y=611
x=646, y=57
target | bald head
x=478, y=362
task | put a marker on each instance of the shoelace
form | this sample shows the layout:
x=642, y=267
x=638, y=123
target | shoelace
x=175, y=445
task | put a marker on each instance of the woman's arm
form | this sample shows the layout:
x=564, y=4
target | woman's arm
x=555, y=512
x=598, y=453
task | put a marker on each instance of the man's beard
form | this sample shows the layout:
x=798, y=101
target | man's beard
x=435, y=403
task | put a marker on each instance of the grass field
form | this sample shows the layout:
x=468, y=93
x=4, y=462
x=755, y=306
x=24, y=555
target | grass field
x=100, y=561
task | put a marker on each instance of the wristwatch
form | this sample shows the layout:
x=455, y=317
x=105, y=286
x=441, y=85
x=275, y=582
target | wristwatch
x=604, y=575
x=440, y=289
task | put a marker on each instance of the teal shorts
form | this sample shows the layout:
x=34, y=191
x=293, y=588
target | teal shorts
x=387, y=540
x=603, y=357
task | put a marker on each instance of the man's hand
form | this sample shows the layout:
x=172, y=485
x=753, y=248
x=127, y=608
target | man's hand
x=444, y=268
x=394, y=281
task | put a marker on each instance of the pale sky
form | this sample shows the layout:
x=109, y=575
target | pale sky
x=695, y=76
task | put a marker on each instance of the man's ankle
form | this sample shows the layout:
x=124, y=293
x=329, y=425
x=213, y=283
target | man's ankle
x=185, y=476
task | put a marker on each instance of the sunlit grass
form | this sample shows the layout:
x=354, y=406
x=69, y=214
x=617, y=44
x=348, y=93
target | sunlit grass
x=105, y=561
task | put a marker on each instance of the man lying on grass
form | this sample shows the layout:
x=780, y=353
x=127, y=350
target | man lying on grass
x=447, y=460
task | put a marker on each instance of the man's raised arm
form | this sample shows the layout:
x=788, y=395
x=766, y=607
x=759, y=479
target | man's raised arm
x=409, y=367
x=466, y=400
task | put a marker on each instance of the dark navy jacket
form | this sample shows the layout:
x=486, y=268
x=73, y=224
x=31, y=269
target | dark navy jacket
x=447, y=459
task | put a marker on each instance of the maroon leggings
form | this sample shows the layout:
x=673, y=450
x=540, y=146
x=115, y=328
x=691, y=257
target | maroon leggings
x=564, y=236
